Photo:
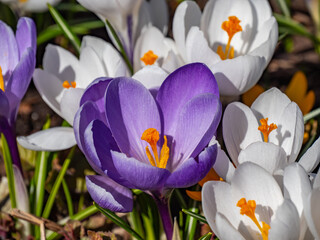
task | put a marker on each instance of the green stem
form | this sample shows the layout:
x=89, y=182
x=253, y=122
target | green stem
x=68, y=197
x=56, y=186
x=9, y=171
x=311, y=115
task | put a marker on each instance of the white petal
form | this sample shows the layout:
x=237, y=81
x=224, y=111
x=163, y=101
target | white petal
x=240, y=129
x=254, y=183
x=296, y=185
x=38, y=5
x=286, y=224
x=265, y=40
x=310, y=160
x=151, y=76
x=316, y=181
x=172, y=62
x=198, y=50
x=267, y=155
x=114, y=63
x=226, y=230
x=187, y=15
x=218, y=11
x=61, y=63
x=50, y=88
x=262, y=11
x=223, y=166
x=70, y=103
x=312, y=212
x=236, y=76
x=52, y=139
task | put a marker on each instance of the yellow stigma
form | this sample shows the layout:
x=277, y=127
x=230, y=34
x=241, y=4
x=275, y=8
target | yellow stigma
x=1, y=80
x=151, y=136
x=248, y=209
x=266, y=129
x=67, y=85
x=149, y=58
x=231, y=26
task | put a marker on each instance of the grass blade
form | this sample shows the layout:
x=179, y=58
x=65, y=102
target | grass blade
x=112, y=216
x=195, y=215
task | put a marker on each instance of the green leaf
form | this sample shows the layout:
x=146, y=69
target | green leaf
x=65, y=27
x=68, y=197
x=284, y=8
x=57, y=183
x=122, y=51
x=9, y=171
x=310, y=115
x=206, y=236
x=195, y=215
x=117, y=220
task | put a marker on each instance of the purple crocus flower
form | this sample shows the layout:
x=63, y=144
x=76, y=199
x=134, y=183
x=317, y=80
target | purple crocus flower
x=150, y=143
x=17, y=63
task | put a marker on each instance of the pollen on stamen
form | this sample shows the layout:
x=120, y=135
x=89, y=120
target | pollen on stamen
x=67, y=85
x=1, y=80
x=266, y=129
x=231, y=26
x=149, y=58
x=248, y=208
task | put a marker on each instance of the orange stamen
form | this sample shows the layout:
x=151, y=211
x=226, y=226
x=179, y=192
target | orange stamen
x=1, y=80
x=149, y=58
x=266, y=129
x=151, y=136
x=67, y=85
x=231, y=26
x=248, y=209
x=23, y=1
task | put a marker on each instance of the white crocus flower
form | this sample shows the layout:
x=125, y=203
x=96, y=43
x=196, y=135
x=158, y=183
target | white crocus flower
x=251, y=206
x=62, y=82
x=23, y=6
x=272, y=118
x=152, y=48
x=235, y=38
x=129, y=17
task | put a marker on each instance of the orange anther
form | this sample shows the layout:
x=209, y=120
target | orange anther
x=67, y=85
x=266, y=129
x=1, y=80
x=149, y=58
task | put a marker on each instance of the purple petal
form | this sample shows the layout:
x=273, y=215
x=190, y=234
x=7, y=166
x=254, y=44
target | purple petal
x=192, y=171
x=141, y=175
x=9, y=55
x=26, y=35
x=109, y=194
x=4, y=105
x=196, y=124
x=95, y=92
x=130, y=110
x=20, y=80
x=180, y=86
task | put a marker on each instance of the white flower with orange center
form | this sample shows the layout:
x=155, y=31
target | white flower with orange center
x=235, y=38
x=251, y=206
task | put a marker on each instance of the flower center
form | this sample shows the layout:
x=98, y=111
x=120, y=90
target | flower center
x=248, y=209
x=266, y=129
x=1, y=80
x=231, y=26
x=151, y=136
x=67, y=85
x=149, y=58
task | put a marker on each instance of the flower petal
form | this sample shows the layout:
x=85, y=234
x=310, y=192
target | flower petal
x=26, y=35
x=312, y=212
x=286, y=224
x=267, y=155
x=187, y=14
x=4, y=105
x=70, y=103
x=151, y=76
x=240, y=129
x=226, y=230
x=310, y=160
x=223, y=166
x=197, y=122
x=130, y=110
x=192, y=171
x=109, y=194
x=9, y=53
x=141, y=175
x=174, y=92
x=52, y=139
